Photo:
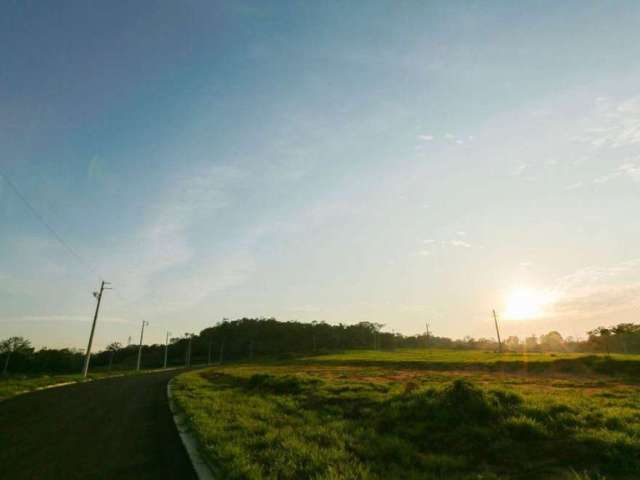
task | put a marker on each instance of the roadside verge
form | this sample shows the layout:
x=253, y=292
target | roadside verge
x=203, y=469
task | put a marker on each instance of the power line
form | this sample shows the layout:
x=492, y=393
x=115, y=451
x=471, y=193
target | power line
x=54, y=232
x=51, y=230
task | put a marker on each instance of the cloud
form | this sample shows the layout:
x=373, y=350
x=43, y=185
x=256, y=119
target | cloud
x=597, y=291
x=574, y=186
x=426, y=137
x=519, y=169
x=159, y=261
x=210, y=275
x=617, y=124
x=459, y=243
x=629, y=170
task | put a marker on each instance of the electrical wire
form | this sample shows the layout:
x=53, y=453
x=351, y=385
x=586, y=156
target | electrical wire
x=48, y=226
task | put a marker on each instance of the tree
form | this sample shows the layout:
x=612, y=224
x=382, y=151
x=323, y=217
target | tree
x=113, y=348
x=512, y=342
x=531, y=343
x=601, y=335
x=627, y=336
x=13, y=345
x=552, y=341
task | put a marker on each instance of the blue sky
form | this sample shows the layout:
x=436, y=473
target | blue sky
x=397, y=162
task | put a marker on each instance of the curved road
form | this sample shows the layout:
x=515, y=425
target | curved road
x=117, y=428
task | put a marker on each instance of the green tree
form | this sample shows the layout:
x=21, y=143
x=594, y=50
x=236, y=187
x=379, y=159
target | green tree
x=13, y=345
x=552, y=341
x=531, y=343
x=602, y=336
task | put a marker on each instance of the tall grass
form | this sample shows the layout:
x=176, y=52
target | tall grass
x=281, y=423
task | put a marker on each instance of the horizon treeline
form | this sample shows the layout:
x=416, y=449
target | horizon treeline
x=249, y=338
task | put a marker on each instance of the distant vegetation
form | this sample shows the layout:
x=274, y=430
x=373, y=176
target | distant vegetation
x=247, y=339
x=336, y=417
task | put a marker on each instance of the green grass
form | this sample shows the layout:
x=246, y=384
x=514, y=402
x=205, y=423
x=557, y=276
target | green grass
x=447, y=356
x=372, y=418
x=17, y=384
x=438, y=359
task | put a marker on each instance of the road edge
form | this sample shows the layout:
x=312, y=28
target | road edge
x=202, y=468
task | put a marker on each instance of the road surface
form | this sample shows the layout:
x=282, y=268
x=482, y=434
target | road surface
x=117, y=428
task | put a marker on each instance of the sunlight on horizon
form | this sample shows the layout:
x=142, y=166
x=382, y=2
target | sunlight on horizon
x=525, y=304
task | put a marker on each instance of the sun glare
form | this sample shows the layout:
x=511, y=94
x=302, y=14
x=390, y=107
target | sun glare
x=524, y=304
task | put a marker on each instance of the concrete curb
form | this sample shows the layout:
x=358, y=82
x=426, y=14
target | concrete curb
x=203, y=469
x=54, y=385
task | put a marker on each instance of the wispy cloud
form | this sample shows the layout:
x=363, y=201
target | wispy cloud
x=160, y=260
x=596, y=291
x=459, y=243
x=519, y=169
x=574, y=186
x=617, y=124
x=448, y=137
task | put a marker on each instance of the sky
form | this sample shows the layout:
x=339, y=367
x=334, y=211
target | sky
x=398, y=162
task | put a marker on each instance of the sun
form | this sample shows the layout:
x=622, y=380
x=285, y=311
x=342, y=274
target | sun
x=525, y=304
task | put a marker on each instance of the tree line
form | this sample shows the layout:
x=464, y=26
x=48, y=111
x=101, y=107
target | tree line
x=249, y=338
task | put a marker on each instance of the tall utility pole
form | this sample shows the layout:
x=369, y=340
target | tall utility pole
x=426, y=343
x=144, y=322
x=87, y=356
x=166, y=349
x=188, y=356
x=495, y=319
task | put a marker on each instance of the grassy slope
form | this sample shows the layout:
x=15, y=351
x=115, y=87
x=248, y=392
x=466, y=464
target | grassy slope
x=319, y=419
x=457, y=356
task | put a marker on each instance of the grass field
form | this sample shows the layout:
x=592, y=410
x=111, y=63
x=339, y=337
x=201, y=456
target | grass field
x=379, y=415
x=17, y=384
x=462, y=356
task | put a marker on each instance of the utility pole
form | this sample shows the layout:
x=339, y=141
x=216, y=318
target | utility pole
x=144, y=323
x=87, y=356
x=495, y=319
x=188, y=356
x=426, y=343
x=166, y=349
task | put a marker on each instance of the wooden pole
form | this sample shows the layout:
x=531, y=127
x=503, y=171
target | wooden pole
x=495, y=319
